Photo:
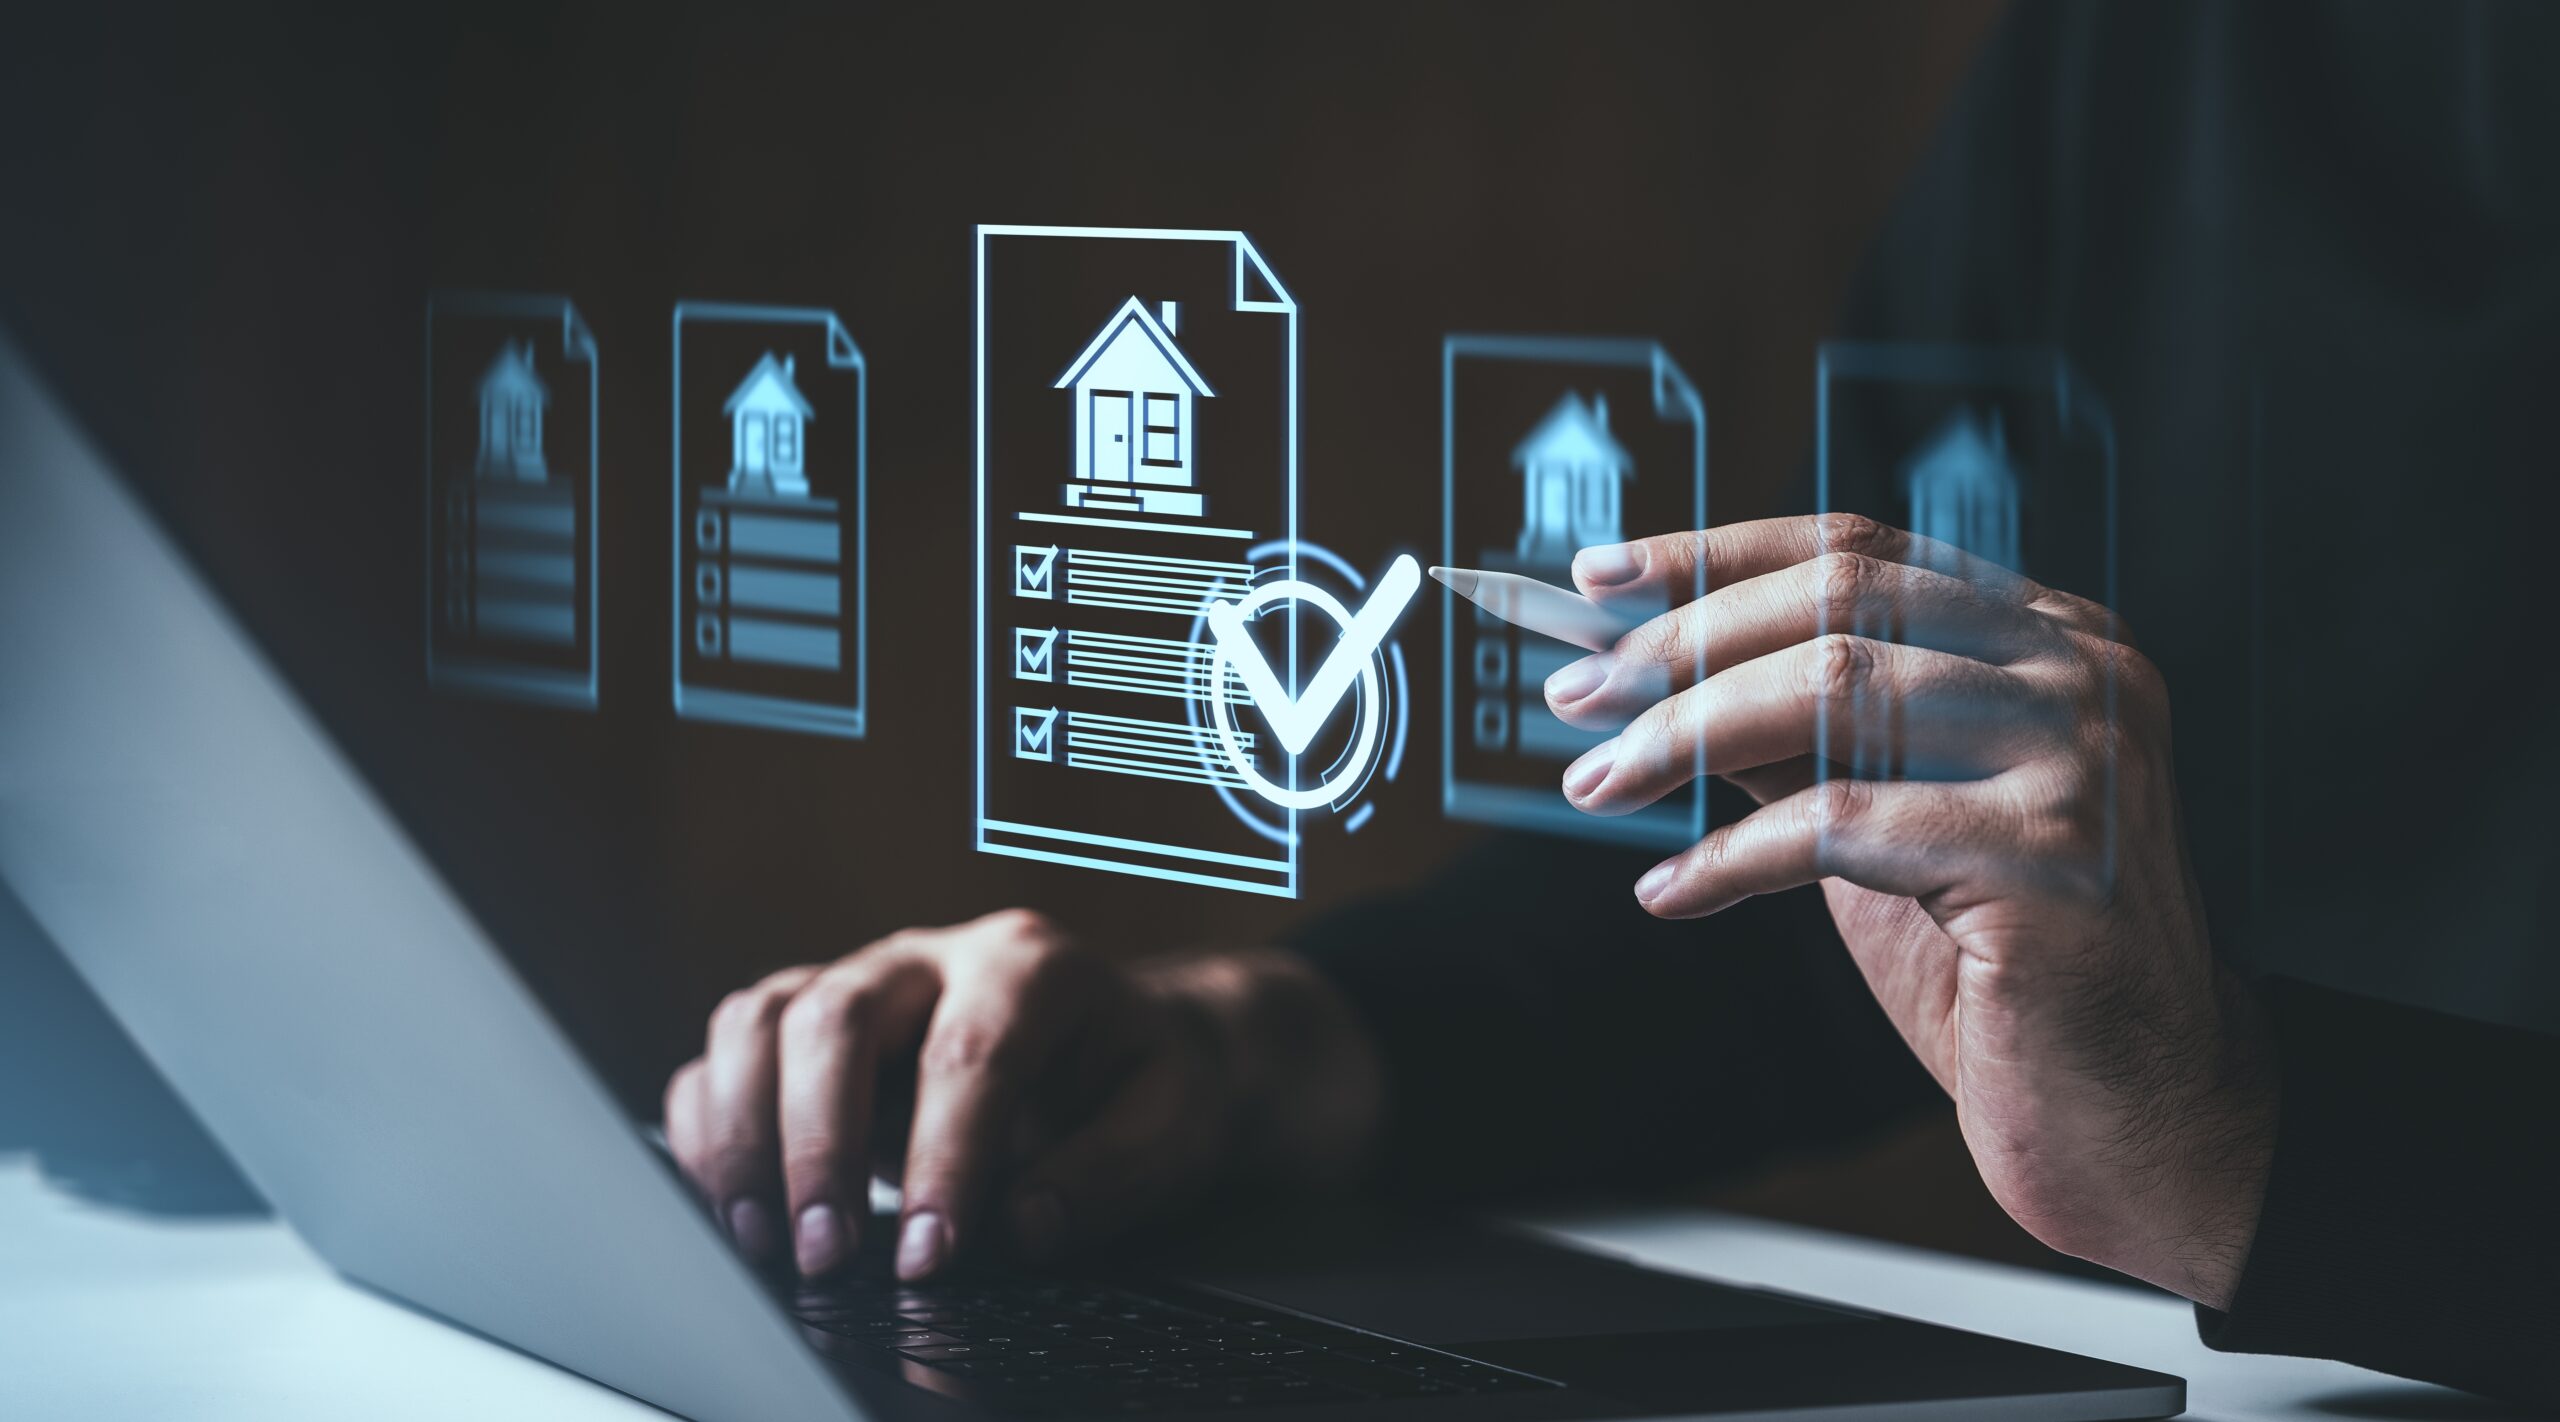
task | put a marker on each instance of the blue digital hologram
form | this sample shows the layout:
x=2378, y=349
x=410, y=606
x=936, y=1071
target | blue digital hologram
x=1548, y=445
x=1349, y=805
x=1136, y=410
x=769, y=494
x=511, y=457
x=1996, y=453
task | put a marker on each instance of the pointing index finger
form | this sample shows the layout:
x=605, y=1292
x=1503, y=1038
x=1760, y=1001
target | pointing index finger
x=1676, y=567
x=1673, y=568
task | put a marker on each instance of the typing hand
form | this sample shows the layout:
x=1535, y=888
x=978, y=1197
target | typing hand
x=1998, y=840
x=1058, y=1097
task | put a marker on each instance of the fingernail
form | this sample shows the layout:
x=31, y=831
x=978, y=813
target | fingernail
x=1656, y=879
x=1609, y=564
x=1584, y=775
x=920, y=1245
x=820, y=1239
x=751, y=1227
x=1576, y=680
x=1039, y=1219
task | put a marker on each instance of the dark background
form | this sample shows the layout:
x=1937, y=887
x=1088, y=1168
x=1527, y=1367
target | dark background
x=217, y=233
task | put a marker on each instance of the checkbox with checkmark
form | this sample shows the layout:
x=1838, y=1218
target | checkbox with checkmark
x=1033, y=656
x=1034, y=571
x=1034, y=737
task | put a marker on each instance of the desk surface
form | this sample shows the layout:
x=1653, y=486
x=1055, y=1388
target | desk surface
x=106, y=1317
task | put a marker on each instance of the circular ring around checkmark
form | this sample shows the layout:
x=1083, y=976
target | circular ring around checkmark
x=1222, y=714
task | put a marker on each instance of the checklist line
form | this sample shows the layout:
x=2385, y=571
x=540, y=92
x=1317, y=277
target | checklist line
x=1174, y=606
x=1143, y=846
x=1139, y=525
x=1191, y=775
x=1141, y=582
x=1154, y=750
x=1185, y=691
x=1158, y=561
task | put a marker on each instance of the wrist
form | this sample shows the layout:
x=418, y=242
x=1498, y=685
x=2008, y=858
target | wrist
x=2207, y=1176
x=2232, y=1150
x=1296, y=1084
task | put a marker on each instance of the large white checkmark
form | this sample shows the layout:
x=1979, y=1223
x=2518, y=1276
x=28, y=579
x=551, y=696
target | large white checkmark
x=1295, y=720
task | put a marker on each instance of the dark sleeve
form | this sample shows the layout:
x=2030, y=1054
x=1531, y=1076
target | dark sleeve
x=1541, y=1031
x=2412, y=1217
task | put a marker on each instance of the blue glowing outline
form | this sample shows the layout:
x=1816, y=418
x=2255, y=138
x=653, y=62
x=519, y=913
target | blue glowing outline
x=1657, y=826
x=1398, y=707
x=780, y=713
x=577, y=347
x=1282, y=304
x=2033, y=369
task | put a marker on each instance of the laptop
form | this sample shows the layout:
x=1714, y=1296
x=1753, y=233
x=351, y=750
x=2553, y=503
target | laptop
x=188, y=834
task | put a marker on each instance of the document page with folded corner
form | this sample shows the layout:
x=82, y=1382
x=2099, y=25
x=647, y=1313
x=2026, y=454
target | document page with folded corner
x=1136, y=401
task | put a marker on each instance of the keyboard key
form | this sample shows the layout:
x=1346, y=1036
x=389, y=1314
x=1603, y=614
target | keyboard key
x=1058, y=1355
x=1392, y=1356
x=856, y=1326
x=1354, y=1374
x=1104, y=1349
x=1221, y=1365
x=932, y=1317
x=945, y=1352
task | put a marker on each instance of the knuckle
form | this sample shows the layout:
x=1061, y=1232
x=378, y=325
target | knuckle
x=1851, y=533
x=831, y=1005
x=1835, y=807
x=1675, y=555
x=968, y=1048
x=2138, y=680
x=1024, y=923
x=1659, y=641
x=2065, y=810
x=1648, y=739
x=673, y=1102
x=1840, y=668
x=933, y=1172
x=733, y=1152
x=1841, y=583
x=748, y=1009
x=904, y=941
x=1710, y=856
x=810, y=1162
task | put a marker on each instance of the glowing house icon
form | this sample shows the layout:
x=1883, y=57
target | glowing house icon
x=512, y=399
x=1570, y=469
x=1133, y=392
x=768, y=435
x=1964, y=490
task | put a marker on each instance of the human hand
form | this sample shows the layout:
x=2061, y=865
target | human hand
x=1998, y=840
x=1058, y=1096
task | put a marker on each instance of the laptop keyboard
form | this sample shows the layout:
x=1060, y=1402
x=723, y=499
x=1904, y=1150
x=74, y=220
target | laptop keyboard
x=1044, y=1345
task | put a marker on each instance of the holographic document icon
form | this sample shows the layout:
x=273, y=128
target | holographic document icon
x=770, y=484
x=1998, y=453
x=1137, y=399
x=1549, y=445
x=512, y=586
